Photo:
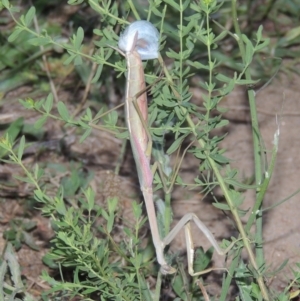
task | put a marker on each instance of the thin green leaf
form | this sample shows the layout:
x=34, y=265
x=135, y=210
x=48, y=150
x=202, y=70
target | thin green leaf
x=222, y=123
x=70, y=59
x=173, y=4
x=98, y=32
x=23, y=179
x=110, y=223
x=185, y=4
x=112, y=204
x=293, y=33
x=40, y=41
x=90, y=196
x=202, y=259
x=262, y=45
x=37, y=171
x=239, y=185
x=228, y=88
x=242, y=213
x=198, y=65
x=277, y=270
x=48, y=103
x=104, y=214
x=156, y=12
x=29, y=16
x=88, y=115
x=108, y=34
x=89, y=291
x=176, y=144
x=79, y=38
x=244, y=292
x=15, y=34
x=61, y=208
x=85, y=135
x=137, y=210
x=219, y=158
x=223, y=78
x=178, y=285
x=173, y=55
x=63, y=111
x=113, y=118
x=249, y=49
x=221, y=36
x=221, y=206
x=40, y=122
x=123, y=135
x=5, y=4
x=97, y=74
x=12, y=132
x=259, y=32
x=21, y=148
x=75, y=2
x=247, y=81
x=78, y=60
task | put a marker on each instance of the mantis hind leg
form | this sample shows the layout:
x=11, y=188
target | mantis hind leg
x=185, y=223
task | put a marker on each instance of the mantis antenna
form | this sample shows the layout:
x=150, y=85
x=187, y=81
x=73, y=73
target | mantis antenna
x=140, y=41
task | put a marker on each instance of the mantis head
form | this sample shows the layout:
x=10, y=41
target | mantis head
x=142, y=37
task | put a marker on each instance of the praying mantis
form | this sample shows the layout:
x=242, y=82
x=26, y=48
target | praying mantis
x=140, y=41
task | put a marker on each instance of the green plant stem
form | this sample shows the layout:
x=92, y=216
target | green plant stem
x=232, y=268
x=95, y=5
x=223, y=186
x=256, y=210
x=168, y=213
x=121, y=157
x=28, y=174
x=133, y=9
x=181, y=49
x=252, y=104
x=210, y=70
x=257, y=157
x=235, y=214
x=72, y=122
x=158, y=287
x=282, y=201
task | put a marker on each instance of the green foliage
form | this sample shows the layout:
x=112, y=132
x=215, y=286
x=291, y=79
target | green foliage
x=109, y=269
x=102, y=268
